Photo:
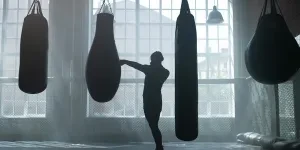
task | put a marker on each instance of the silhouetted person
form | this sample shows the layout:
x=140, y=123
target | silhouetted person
x=155, y=76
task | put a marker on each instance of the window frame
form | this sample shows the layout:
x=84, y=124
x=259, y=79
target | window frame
x=138, y=55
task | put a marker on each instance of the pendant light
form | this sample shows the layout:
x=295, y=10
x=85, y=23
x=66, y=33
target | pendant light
x=215, y=17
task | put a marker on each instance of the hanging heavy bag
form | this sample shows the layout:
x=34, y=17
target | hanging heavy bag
x=272, y=56
x=103, y=70
x=186, y=75
x=33, y=69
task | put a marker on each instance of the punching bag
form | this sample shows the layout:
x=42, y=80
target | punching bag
x=33, y=69
x=272, y=56
x=186, y=75
x=103, y=70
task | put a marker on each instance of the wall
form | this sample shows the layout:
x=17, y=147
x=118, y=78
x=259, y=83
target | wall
x=289, y=8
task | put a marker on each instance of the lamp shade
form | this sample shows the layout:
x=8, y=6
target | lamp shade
x=215, y=17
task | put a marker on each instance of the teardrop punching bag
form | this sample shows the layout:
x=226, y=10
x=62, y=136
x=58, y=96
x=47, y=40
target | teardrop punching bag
x=186, y=75
x=272, y=56
x=103, y=70
x=33, y=69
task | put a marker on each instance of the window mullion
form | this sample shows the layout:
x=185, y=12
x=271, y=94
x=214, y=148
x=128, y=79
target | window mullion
x=137, y=56
x=3, y=40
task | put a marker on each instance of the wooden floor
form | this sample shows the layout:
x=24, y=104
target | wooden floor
x=31, y=145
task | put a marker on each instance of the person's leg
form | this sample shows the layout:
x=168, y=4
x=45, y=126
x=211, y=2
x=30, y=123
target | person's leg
x=153, y=118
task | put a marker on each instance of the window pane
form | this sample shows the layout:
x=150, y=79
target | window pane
x=167, y=109
x=201, y=32
x=166, y=16
x=176, y=4
x=202, y=93
x=175, y=14
x=144, y=16
x=192, y=4
x=129, y=99
x=1, y=15
x=41, y=107
x=154, y=45
x=168, y=94
x=130, y=31
x=155, y=16
x=167, y=31
x=144, y=31
x=154, y=31
x=120, y=16
x=120, y=43
x=23, y=4
x=130, y=16
x=166, y=4
x=202, y=68
x=221, y=92
x=200, y=16
x=46, y=15
x=130, y=46
x=45, y=4
x=11, y=30
x=200, y=4
x=145, y=61
x=9, y=63
x=119, y=31
x=23, y=14
x=19, y=95
x=32, y=108
x=223, y=32
x=202, y=108
x=144, y=4
x=144, y=46
x=223, y=4
x=201, y=46
x=128, y=72
x=225, y=15
x=130, y=4
x=167, y=46
x=7, y=108
x=154, y=4
x=12, y=4
x=213, y=32
x=8, y=92
x=169, y=63
x=213, y=46
x=19, y=108
x=120, y=5
x=211, y=4
x=223, y=46
x=12, y=16
x=10, y=46
x=1, y=4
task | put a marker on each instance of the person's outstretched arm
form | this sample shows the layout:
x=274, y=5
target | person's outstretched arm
x=134, y=65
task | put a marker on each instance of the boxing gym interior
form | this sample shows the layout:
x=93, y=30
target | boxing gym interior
x=149, y=74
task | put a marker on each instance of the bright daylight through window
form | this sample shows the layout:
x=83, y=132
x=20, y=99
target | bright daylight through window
x=15, y=103
x=145, y=26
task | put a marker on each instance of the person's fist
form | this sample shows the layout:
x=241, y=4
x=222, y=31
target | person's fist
x=122, y=62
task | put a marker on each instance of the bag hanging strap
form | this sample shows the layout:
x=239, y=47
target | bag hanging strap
x=108, y=3
x=185, y=8
x=33, y=7
x=274, y=7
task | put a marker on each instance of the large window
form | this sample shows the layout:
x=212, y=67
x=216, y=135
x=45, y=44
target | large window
x=15, y=103
x=145, y=26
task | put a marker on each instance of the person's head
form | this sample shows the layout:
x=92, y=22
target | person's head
x=156, y=58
